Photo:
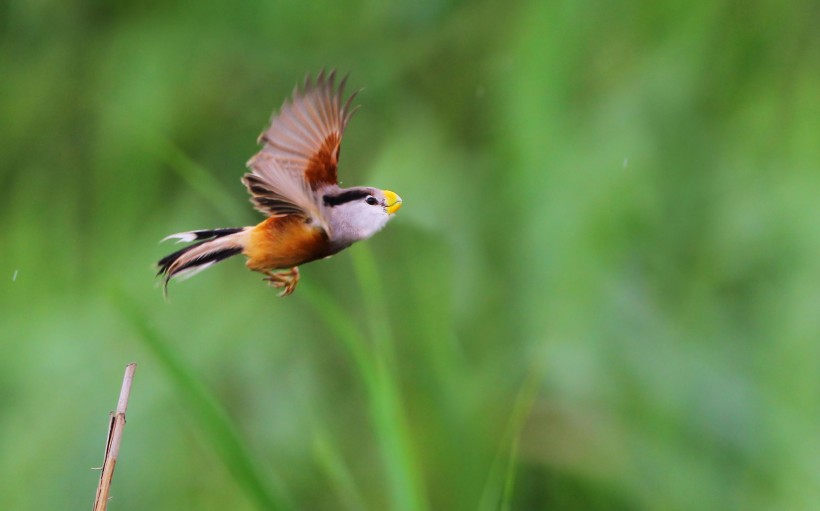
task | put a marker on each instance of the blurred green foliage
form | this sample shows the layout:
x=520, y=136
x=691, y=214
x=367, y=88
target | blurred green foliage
x=601, y=293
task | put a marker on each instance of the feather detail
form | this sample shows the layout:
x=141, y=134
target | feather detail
x=190, y=272
x=192, y=259
x=306, y=134
x=278, y=192
x=189, y=236
x=181, y=237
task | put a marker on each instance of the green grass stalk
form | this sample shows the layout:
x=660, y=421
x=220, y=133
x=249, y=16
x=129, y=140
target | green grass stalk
x=403, y=479
x=330, y=460
x=498, y=491
x=208, y=412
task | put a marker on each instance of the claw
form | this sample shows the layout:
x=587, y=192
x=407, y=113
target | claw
x=286, y=280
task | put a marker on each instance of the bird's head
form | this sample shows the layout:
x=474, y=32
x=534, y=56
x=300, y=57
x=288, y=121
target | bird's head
x=359, y=213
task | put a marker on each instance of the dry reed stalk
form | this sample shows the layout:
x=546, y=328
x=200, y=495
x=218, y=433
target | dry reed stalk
x=112, y=445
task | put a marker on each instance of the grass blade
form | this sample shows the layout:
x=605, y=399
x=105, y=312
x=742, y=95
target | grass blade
x=403, y=479
x=498, y=492
x=331, y=461
x=208, y=412
x=200, y=179
x=403, y=468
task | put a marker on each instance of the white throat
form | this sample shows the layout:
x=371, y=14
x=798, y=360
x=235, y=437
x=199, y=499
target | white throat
x=355, y=221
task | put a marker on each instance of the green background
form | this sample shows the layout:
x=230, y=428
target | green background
x=601, y=293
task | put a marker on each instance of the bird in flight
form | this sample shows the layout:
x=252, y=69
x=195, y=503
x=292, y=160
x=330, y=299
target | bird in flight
x=293, y=180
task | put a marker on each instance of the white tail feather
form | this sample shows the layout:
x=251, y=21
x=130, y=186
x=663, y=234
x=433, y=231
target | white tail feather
x=181, y=237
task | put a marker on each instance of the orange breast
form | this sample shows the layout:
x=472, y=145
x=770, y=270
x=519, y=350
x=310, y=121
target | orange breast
x=283, y=242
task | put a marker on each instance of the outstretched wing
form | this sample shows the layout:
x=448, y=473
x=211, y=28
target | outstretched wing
x=276, y=191
x=304, y=137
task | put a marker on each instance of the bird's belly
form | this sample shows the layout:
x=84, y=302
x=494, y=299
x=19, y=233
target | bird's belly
x=283, y=242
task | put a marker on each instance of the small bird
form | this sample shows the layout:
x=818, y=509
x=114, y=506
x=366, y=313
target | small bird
x=293, y=180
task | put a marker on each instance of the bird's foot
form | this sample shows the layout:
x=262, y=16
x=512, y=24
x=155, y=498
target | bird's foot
x=286, y=280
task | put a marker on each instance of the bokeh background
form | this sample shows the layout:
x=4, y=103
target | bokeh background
x=601, y=293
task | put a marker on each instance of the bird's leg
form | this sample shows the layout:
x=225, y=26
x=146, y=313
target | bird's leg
x=285, y=280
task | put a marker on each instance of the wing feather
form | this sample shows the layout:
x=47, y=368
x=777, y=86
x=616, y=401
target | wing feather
x=306, y=134
x=276, y=191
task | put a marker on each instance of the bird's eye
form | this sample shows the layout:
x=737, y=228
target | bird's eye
x=371, y=200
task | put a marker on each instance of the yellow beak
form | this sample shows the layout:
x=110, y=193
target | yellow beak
x=392, y=202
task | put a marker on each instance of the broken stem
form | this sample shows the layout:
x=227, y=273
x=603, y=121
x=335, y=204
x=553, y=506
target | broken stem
x=112, y=446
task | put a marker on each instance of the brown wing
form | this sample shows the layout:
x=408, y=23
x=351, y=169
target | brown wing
x=304, y=137
x=279, y=192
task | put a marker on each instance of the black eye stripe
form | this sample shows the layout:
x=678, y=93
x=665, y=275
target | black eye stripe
x=346, y=196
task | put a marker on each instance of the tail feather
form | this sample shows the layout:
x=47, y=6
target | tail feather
x=186, y=237
x=215, y=245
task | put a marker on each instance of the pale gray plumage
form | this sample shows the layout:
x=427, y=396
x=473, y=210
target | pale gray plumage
x=356, y=220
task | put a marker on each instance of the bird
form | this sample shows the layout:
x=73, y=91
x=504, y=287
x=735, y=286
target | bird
x=293, y=180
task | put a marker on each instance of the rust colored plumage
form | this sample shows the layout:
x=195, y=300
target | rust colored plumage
x=284, y=242
x=322, y=167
